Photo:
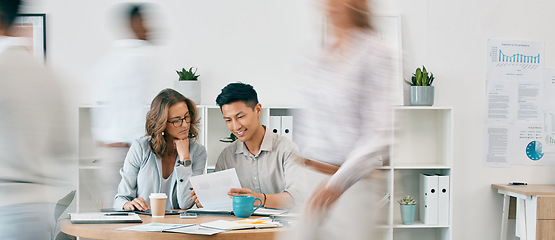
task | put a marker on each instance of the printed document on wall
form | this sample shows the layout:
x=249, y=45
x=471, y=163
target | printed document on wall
x=515, y=101
x=549, y=112
x=513, y=60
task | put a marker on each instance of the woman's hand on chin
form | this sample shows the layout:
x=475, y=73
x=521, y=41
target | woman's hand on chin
x=182, y=146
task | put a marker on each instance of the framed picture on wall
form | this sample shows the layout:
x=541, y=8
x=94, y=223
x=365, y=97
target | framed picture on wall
x=388, y=28
x=32, y=28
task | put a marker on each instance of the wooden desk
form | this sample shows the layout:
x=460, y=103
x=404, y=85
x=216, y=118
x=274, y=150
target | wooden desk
x=109, y=231
x=535, y=210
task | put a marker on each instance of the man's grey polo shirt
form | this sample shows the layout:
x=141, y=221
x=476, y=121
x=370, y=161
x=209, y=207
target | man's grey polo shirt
x=271, y=170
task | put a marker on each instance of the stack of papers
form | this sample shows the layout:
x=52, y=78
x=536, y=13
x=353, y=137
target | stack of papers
x=259, y=212
x=153, y=227
x=105, y=217
x=241, y=224
x=209, y=228
x=174, y=228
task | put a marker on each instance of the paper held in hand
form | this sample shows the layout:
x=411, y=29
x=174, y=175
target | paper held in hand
x=211, y=189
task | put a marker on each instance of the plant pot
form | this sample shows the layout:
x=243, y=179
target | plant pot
x=407, y=214
x=190, y=89
x=421, y=95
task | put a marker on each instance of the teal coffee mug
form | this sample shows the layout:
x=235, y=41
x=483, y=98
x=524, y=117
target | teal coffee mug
x=243, y=206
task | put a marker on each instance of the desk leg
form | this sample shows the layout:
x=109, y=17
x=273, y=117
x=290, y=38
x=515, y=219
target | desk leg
x=531, y=213
x=505, y=216
x=521, y=219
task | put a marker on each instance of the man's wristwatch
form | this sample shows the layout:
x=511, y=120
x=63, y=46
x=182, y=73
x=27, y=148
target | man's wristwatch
x=186, y=163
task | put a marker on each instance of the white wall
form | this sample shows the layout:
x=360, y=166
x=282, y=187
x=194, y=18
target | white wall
x=228, y=41
x=449, y=37
x=254, y=41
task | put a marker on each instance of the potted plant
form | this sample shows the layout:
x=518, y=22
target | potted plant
x=421, y=89
x=188, y=84
x=229, y=139
x=408, y=207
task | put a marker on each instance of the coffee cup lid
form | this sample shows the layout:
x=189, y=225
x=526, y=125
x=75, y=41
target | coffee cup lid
x=158, y=195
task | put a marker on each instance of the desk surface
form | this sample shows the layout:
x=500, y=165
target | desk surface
x=529, y=190
x=109, y=231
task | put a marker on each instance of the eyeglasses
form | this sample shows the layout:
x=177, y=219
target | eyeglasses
x=179, y=122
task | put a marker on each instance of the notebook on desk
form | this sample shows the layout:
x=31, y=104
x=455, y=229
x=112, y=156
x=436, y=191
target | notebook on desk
x=105, y=217
x=147, y=212
x=241, y=224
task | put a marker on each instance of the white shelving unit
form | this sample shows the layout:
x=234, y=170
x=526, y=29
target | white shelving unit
x=423, y=144
x=212, y=129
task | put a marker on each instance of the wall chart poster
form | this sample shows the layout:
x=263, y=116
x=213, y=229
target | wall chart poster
x=519, y=117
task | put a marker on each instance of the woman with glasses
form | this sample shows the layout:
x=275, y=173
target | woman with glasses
x=164, y=159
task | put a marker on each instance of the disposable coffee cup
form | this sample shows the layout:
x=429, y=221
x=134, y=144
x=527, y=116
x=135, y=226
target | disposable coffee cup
x=158, y=204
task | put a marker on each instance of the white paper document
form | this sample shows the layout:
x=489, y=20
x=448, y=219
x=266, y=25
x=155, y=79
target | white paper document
x=105, y=217
x=174, y=228
x=549, y=112
x=153, y=227
x=211, y=189
x=242, y=224
x=195, y=229
x=497, y=144
x=515, y=108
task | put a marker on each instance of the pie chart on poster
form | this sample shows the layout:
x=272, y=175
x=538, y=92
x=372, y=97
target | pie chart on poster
x=534, y=150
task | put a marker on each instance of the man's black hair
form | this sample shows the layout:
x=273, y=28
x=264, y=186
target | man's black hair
x=235, y=92
x=8, y=12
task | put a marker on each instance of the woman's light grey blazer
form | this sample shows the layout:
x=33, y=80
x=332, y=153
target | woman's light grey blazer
x=141, y=175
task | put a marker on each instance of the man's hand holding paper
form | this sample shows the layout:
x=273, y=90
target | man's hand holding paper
x=212, y=189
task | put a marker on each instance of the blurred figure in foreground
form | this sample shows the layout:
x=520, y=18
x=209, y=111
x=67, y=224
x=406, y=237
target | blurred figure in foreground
x=34, y=155
x=118, y=85
x=347, y=126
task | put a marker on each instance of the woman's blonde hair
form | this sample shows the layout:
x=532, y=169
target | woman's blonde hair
x=157, y=118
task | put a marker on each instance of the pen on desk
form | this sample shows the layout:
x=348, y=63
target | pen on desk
x=116, y=214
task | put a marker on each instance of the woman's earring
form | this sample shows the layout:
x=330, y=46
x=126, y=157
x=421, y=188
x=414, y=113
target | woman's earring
x=162, y=133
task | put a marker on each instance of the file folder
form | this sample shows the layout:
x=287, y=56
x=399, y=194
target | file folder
x=287, y=126
x=429, y=199
x=275, y=124
x=443, y=199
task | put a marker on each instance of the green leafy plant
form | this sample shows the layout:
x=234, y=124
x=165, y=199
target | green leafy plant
x=407, y=200
x=421, y=77
x=189, y=75
x=229, y=139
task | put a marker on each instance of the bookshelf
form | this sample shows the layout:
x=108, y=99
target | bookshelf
x=423, y=144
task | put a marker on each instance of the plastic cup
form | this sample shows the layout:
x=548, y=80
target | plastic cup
x=158, y=204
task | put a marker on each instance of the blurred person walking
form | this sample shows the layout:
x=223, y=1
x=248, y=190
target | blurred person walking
x=346, y=127
x=33, y=141
x=119, y=83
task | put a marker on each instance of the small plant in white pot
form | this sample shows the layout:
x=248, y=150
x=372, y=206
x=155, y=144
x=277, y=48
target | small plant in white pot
x=408, y=207
x=421, y=89
x=188, y=84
